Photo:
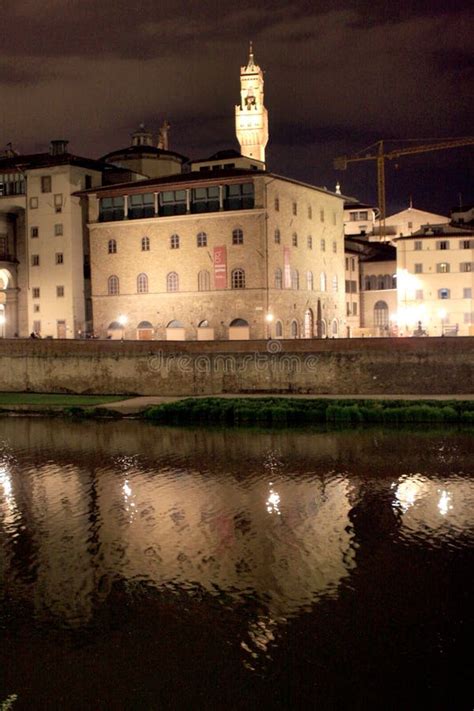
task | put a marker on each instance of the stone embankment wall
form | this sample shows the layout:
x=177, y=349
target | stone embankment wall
x=427, y=366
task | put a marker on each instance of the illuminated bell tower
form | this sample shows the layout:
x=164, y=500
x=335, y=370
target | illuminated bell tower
x=251, y=117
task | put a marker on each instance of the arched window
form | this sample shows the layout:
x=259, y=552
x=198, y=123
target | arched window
x=175, y=324
x=113, y=286
x=172, y=282
x=201, y=239
x=278, y=278
x=380, y=282
x=309, y=281
x=278, y=329
x=238, y=279
x=387, y=281
x=142, y=284
x=277, y=236
x=145, y=244
x=237, y=236
x=294, y=329
x=295, y=279
x=203, y=324
x=204, y=280
x=367, y=283
x=335, y=284
x=335, y=328
x=239, y=323
x=373, y=282
x=381, y=314
x=174, y=241
x=323, y=281
x=308, y=323
x=323, y=328
x=112, y=246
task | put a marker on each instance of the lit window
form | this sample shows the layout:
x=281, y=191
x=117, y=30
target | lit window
x=113, y=286
x=142, y=284
x=172, y=282
x=238, y=279
x=442, y=268
x=465, y=267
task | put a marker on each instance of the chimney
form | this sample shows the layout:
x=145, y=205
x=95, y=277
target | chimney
x=58, y=147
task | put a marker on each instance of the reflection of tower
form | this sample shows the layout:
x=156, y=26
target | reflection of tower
x=251, y=117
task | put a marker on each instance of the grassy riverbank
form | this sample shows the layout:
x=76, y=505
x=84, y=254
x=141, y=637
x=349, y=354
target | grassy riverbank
x=287, y=411
x=55, y=399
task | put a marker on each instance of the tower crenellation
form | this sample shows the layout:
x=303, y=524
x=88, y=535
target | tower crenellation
x=251, y=117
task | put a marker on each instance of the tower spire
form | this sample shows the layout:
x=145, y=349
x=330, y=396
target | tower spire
x=251, y=117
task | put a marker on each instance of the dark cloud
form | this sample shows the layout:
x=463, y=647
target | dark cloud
x=339, y=75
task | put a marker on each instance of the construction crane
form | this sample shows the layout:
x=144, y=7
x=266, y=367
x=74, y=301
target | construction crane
x=376, y=152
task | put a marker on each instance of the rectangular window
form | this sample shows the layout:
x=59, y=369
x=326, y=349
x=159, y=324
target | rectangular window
x=309, y=242
x=418, y=245
x=87, y=182
x=294, y=239
x=469, y=317
x=277, y=236
x=466, y=244
x=60, y=291
x=172, y=202
x=141, y=206
x=36, y=292
x=34, y=231
x=37, y=326
x=33, y=203
x=310, y=212
x=321, y=215
x=353, y=264
x=353, y=216
x=36, y=308
x=418, y=268
x=58, y=200
x=419, y=294
x=206, y=199
x=111, y=208
x=45, y=183
x=410, y=225
x=58, y=230
x=59, y=258
x=174, y=242
x=347, y=264
x=442, y=268
x=348, y=309
x=334, y=247
x=201, y=239
x=323, y=245
x=354, y=309
x=295, y=208
x=442, y=244
x=35, y=260
x=236, y=197
x=353, y=287
x=277, y=204
x=467, y=293
x=465, y=267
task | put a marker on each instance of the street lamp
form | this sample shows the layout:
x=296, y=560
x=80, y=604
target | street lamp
x=269, y=320
x=123, y=320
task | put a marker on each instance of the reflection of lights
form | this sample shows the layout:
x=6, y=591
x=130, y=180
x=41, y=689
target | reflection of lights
x=273, y=502
x=408, y=491
x=129, y=504
x=442, y=313
x=6, y=483
x=127, y=490
x=444, y=503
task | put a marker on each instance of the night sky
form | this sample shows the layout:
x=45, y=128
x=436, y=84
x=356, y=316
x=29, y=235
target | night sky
x=339, y=76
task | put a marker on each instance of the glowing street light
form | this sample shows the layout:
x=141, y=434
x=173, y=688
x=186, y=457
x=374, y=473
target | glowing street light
x=442, y=313
x=123, y=320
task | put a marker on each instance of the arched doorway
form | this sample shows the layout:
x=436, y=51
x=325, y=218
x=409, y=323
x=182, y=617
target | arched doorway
x=145, y=331
x=115, y=331
x=335, y=328
x=239, y=330
x=308, y=324
x=175, y=331
x=294, y=329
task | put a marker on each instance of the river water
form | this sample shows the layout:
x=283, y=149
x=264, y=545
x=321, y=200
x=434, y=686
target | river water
x=145, y=567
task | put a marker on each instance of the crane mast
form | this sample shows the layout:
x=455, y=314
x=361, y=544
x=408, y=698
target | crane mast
x=377, y=153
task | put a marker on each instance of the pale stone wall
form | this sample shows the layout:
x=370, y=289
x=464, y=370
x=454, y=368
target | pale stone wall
x=318, y=214
x=425, y=366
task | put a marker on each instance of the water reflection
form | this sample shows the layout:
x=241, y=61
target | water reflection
x=262, y=521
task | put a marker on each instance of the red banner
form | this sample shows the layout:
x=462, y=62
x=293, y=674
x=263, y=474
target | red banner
x=220, y=267
x=287, y=267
